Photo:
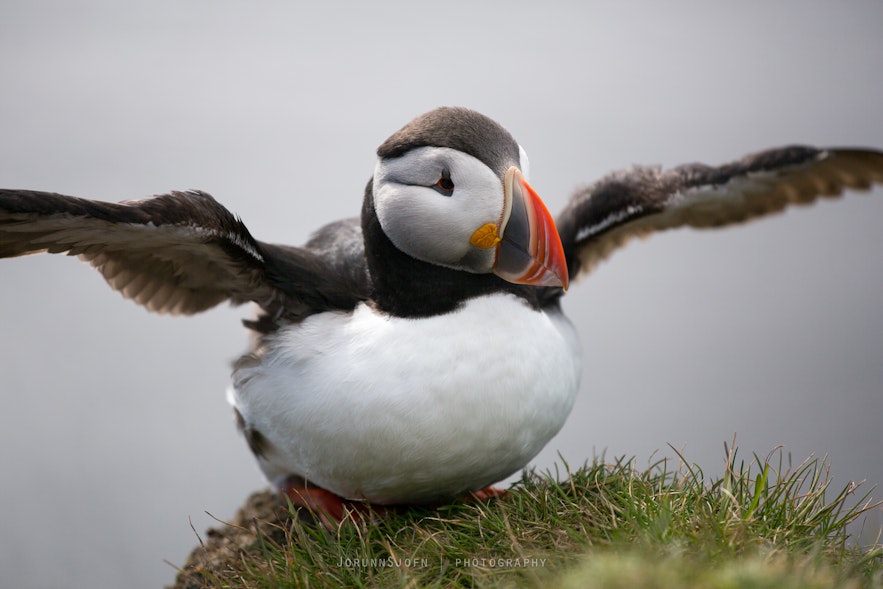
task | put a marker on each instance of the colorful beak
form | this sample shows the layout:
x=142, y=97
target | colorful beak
x=529, y=251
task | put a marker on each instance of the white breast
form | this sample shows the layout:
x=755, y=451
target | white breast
x=398, y=410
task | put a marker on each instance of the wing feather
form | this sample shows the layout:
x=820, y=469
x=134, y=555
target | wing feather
x=638, y=202
x=178, y=253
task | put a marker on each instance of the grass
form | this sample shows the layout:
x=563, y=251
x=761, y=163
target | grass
x=762, y=524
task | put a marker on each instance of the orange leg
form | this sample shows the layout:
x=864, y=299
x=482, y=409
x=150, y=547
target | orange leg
x=487, y=494
x=333, y=509
x=328, y=506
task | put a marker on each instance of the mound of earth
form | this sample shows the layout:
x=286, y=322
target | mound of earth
x=264, y=517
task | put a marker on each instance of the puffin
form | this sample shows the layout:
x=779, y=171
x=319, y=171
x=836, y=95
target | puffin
x=416, y=353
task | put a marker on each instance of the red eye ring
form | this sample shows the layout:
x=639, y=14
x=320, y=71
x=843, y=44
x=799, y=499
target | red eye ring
x=444, y=186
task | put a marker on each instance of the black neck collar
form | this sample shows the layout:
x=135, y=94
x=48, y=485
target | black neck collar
x=408, y=287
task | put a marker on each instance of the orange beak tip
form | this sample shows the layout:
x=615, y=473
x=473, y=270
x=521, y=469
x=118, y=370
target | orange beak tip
x=531, y=251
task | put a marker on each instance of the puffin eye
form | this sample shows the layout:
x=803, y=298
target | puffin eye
x=444, y=186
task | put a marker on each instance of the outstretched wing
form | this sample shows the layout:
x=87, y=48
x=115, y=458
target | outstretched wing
x=178, y=253
x=642, y=200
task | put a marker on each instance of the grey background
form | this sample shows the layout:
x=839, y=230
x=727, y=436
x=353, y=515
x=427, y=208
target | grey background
x=114, y=430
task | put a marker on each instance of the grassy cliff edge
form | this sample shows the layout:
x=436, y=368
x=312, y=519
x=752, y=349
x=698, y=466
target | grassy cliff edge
x=764, y=523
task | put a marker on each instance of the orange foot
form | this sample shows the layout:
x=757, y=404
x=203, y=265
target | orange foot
x=332, y=509
x=329, y=507
x=487, y=494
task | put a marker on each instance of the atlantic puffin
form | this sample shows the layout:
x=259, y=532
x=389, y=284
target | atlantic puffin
x=395, y=357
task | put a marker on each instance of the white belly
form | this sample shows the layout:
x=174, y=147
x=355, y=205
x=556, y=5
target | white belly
x=395, y=410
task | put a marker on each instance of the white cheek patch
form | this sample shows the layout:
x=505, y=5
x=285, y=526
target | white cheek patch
x=428, y=225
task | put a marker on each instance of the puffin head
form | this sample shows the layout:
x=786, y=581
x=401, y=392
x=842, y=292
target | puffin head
x=450, y=188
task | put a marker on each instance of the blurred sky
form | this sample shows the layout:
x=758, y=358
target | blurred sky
x=115, y=430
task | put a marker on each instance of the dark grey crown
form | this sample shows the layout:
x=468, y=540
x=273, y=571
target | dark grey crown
x=458, y=128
